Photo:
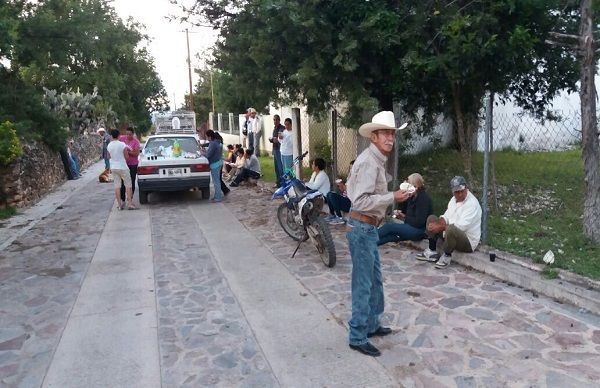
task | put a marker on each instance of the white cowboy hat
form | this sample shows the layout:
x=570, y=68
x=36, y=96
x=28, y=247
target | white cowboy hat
x=382, y=120
x=100, y=130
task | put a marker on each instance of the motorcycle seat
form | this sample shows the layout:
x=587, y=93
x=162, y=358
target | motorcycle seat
x=302, y=190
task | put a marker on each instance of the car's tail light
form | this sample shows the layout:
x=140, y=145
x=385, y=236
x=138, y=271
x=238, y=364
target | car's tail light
x=147, y=170
x=200, y=167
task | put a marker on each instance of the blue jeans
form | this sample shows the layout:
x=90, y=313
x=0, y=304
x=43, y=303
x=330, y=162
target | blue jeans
x=278, y=165
x=367, y=282
x=286, y=161
x=337, y=204
x=251, y=140
x=215, y=175
x=392, y=232
x=256, y=143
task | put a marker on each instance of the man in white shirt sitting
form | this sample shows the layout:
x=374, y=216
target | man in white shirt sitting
x=319, y=180
x=459, y=226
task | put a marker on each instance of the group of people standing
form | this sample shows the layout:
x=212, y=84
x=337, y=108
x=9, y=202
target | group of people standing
x=281, y=139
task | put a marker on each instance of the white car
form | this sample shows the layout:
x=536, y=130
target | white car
x=172, y=162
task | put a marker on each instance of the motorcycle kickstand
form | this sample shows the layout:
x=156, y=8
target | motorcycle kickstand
x=297, y=247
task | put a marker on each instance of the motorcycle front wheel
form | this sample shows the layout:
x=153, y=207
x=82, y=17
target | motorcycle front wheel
x=288, y=223
x=320, y=235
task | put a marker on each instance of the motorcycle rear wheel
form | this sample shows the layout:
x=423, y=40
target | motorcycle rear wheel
x=320, y=235
x=286, y=219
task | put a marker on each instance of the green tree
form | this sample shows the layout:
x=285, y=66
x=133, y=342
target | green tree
x=82, y=44
x=462, y=49
x=436, y=57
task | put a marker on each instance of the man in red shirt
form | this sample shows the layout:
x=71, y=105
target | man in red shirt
x=133, y=150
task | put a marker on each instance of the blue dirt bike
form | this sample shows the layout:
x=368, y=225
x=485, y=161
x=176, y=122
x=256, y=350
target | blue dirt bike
x=299, y=215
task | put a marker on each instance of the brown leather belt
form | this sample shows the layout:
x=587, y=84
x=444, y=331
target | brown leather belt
x=364, y=218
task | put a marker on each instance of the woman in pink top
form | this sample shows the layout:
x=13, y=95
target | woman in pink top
x=133, y=146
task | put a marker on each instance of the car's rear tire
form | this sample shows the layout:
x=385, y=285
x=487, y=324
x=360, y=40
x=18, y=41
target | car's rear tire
x=143, y=196
x=206, y=193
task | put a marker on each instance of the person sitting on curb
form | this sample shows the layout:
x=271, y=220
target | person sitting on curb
x=319, y=180
x=230, y=158
x=251, y=169
x=459, y=226
x=414, y=212
x=338, y=203
x=237, y=166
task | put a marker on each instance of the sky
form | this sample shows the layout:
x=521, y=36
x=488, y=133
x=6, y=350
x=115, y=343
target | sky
x=168, y=45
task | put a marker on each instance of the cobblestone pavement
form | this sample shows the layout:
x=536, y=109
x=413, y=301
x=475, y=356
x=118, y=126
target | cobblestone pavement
x=453, y=327
x=40, y=276
x=204, y=338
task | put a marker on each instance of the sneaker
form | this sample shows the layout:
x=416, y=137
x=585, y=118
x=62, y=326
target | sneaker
x=443, y=262
x=329, y=218
x=428, y=255
x=337, y=221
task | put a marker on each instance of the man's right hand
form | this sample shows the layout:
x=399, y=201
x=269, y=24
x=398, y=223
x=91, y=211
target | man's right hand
x=401, y=196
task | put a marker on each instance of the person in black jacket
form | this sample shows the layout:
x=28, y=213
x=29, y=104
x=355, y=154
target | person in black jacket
x=414, y=212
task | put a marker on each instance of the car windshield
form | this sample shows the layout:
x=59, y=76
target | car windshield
x=163, y=146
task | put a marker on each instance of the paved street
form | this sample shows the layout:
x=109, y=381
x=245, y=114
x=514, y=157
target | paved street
x=185, y=292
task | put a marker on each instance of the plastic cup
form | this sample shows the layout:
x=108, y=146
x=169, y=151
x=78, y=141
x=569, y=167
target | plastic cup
x=492, y=256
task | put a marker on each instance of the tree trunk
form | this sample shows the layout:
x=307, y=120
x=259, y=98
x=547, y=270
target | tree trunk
x=589, y=127
x=464, y=131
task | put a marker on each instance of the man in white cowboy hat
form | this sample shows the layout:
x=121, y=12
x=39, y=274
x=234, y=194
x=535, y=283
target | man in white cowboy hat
x=368, y=192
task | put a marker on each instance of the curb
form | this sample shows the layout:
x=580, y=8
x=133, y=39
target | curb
x=567, y=288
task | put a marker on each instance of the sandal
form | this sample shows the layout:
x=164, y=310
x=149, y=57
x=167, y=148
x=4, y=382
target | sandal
x=133, y=208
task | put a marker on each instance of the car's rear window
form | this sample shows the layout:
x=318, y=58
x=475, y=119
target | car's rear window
x=164, y=145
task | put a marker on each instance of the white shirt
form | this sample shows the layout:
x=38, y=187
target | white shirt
x=287, y=143
x=320, y=182
x=117, y=159
x=254, y=125
x=466, y=216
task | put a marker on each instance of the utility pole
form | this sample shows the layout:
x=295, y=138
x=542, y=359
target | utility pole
x=189, y=61
x=489, y=108
x=212, y=92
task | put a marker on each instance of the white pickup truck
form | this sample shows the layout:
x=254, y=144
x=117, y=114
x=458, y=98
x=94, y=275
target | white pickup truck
x=172, y=162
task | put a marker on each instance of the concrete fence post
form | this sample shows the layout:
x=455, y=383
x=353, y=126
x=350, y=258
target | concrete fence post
x=220, y=122
x=211, y=120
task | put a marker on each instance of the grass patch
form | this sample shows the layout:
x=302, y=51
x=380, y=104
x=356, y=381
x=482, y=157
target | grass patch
x=550, y=273
x=7, y=212
x=268, y=169
x=540, y=202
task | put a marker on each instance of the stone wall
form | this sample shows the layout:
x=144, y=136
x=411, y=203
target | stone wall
x=39, y=170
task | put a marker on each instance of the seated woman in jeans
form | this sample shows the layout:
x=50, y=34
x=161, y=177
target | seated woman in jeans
x=414, y=212
x=337, y=204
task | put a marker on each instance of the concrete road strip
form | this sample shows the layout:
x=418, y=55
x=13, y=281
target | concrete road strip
x=110, y=339
x=298, y=335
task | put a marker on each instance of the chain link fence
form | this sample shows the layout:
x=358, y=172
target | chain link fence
x=524, y=133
